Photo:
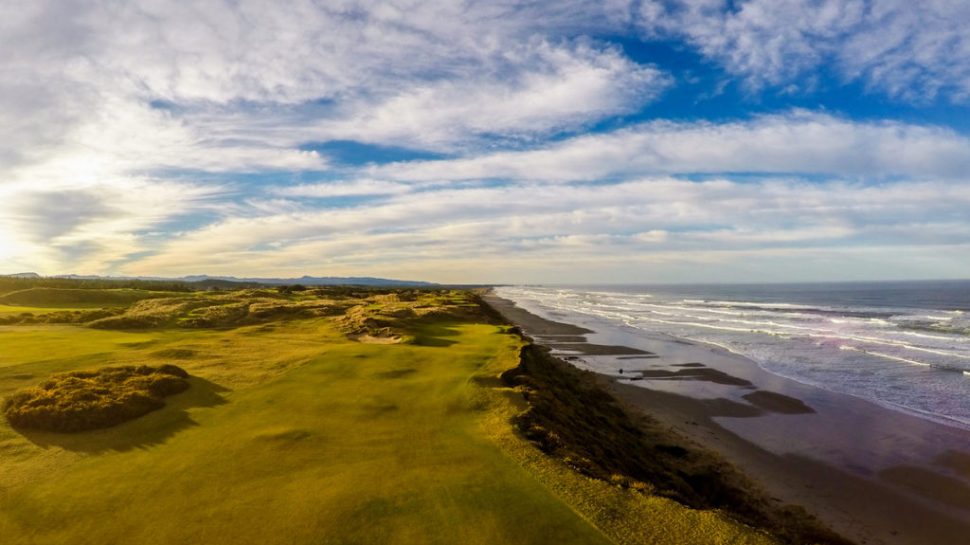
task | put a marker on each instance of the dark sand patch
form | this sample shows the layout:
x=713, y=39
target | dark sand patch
x=732, y=409
x=956, y=461
x=688, y=365
x=929, y=484
x=588, y=349
x=777, y=403
x=694, y=373
x=643, y=357
x=562, y=338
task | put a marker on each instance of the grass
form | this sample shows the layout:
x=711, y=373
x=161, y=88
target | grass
x=77, y=298
x=12, y=310
x=293, y=433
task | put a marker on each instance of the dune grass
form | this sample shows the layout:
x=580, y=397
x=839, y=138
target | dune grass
x=87, y=400
x=293, y=433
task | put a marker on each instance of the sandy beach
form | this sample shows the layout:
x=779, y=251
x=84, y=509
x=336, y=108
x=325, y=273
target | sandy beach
x=872, y=474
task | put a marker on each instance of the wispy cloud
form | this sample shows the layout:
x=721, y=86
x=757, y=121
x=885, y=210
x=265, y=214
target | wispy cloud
x=905, y=49
x=352, y=188
x=531, y=91
x=169, y=138
x=799, y=142
x=588, y=221
x=90, y=227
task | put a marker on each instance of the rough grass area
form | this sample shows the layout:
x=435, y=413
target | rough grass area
x=569, y=417
x=235, y=309
x=400, y=317
x=87, y=400
x=69, y=297
x=42, y=315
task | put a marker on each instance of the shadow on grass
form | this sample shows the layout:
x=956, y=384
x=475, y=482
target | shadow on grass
x=434, y=334
x=151, y=429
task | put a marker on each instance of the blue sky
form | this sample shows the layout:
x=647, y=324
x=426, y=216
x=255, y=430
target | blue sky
x=616, y=141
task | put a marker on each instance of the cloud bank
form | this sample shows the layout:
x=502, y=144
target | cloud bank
x=155, y=137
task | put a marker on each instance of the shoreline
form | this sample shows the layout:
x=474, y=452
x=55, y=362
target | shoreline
x=801, y=444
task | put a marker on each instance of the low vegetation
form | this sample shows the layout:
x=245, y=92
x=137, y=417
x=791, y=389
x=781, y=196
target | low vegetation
x=399, y=317
x=86, y=400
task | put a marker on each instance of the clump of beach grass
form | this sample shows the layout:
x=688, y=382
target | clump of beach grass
x=86, y=400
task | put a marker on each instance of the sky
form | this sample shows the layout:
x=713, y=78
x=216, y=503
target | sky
x=642, y=141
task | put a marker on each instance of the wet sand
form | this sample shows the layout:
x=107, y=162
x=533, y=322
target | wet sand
x=874, y=475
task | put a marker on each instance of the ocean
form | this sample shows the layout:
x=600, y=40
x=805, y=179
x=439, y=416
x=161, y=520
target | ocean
x=903, y=345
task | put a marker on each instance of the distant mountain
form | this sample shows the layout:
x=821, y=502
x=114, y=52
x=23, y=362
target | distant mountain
x=304, y=280
x=30, y=275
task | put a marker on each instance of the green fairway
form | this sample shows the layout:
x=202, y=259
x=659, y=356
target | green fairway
x=8, y=310
x=292, y=433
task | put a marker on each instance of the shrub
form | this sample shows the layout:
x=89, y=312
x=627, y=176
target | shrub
x=286, y=290
x=86, y=400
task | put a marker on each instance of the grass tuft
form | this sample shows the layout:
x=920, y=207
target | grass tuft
x=86, y=400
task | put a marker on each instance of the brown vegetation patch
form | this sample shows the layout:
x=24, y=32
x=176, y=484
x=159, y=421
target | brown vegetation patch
x=86, y=400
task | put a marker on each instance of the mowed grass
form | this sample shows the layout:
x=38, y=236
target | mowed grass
x=291, y=433
x=11, y=310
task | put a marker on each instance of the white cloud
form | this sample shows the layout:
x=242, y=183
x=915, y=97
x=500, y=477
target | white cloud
x=353, y=188
x=799, y=142
x=101, y=101
x=911, y=50
x=533, y=90
x=663, y=219
x=88, y=228
x=240, y=85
